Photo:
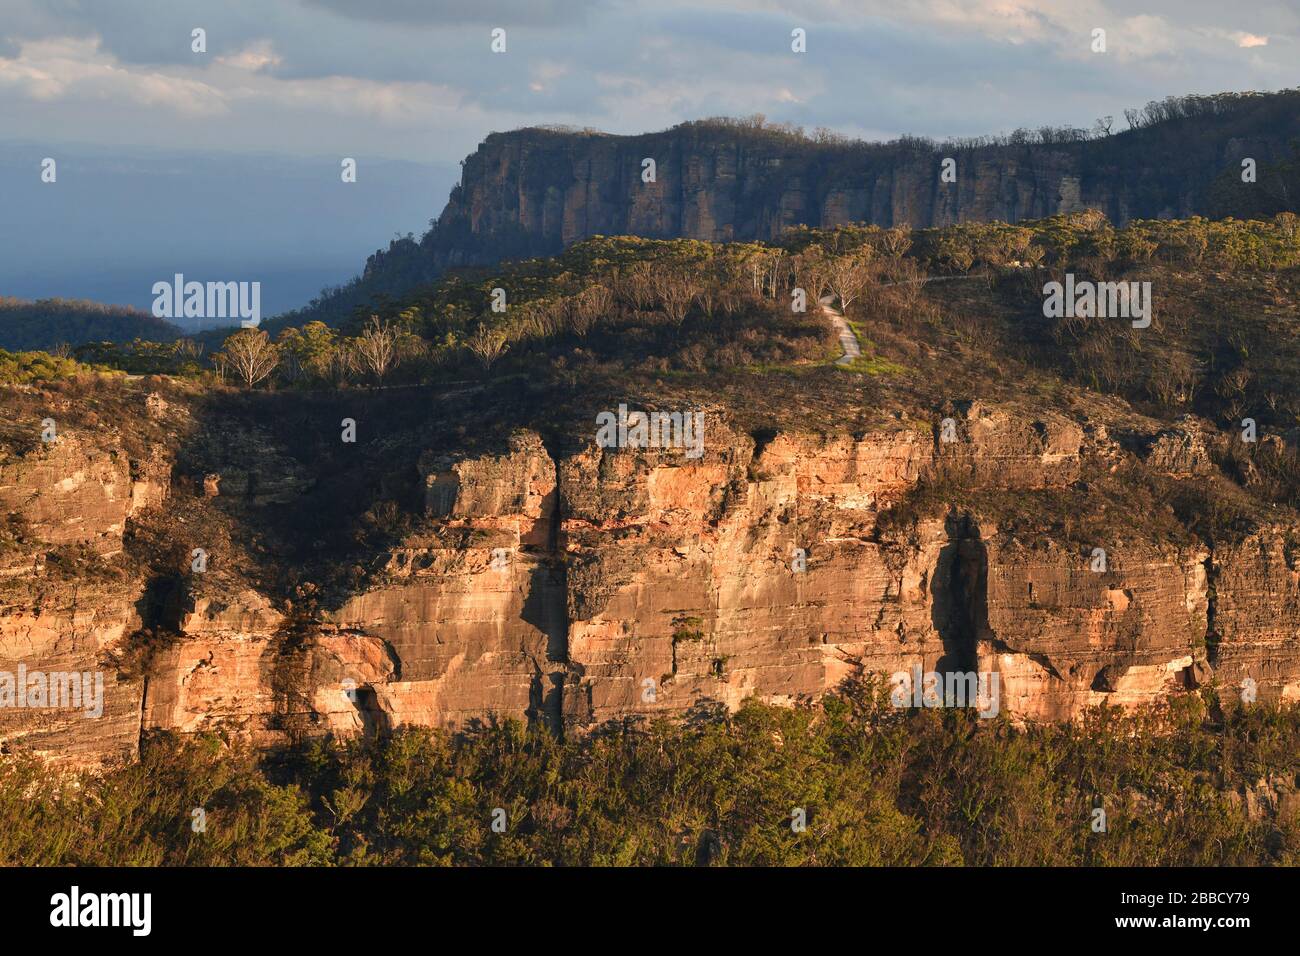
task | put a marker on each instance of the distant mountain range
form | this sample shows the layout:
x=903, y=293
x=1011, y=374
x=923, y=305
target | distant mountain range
x=533, y=192
x=47, y=323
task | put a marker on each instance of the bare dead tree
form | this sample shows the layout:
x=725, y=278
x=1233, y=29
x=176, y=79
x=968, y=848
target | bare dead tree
x=530, y=319
x=638, y=287
x=778, y=265
x=588, y=307
x=707, y=297
x=729, y=299
x=544, y=318
x=376, y=347
x=249, y=355
x=811, y=272
x=910, y=282
x=675, y=290
x=1232, y=388
x=895, y=241
x=1175, y=380
x=756, y=267
x=342, y=362
x=487, y=345
x=848, y=275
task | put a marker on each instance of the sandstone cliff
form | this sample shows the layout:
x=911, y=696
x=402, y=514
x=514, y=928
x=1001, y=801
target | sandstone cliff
x=549, y=580
x=533, y=192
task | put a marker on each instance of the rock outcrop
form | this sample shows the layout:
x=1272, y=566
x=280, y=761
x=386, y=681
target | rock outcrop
x=532, y=192
x=576, y=585
x=71, y=493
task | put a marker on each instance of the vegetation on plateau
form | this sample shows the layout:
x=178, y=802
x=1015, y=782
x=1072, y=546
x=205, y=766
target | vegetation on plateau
x=945, y=317
x=1186, y=784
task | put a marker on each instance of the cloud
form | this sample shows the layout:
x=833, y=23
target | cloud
x=253, y=58
x=1249, y=39
x=1144, y=36
x=415, y=79
x=231, y=102
x=503, y=13
x=74, y=68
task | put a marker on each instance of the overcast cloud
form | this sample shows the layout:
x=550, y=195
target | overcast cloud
x=415, y=79
x=414, y=82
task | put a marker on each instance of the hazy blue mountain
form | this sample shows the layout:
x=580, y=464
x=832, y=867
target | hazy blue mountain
x=116, y=222
x=49, y=323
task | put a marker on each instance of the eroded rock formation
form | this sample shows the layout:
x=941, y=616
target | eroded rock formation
x=573, y=587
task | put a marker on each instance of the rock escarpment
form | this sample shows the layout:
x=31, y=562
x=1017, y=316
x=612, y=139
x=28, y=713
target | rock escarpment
x=73, y=494
x=571, y=585
x=532, y=192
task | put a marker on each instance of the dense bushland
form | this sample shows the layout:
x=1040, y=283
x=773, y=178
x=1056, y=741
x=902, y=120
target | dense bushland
x=627, y=305
x=1183, y=784
x=49, y=323
x=25, y=368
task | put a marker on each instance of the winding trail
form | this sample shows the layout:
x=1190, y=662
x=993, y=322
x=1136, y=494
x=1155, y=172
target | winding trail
x=848, y=340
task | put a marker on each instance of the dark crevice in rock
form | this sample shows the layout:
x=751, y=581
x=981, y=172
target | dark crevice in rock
x=546, y=606
x=374, y=721
x=762, y=438
x=160, y=605
x=287, y=660
x=140, y=714
x=1211, y=611
x=959, y=611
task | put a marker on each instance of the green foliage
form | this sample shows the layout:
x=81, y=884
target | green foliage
x=143, y=814
x=306, y=354
x=687, y=628
x=26, y=368
x=685, y=306
x=181, y=357
x=877, y=786
x=1086, y=237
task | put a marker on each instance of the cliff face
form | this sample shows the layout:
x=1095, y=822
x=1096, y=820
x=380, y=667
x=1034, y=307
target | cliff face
x=535, y=191
x=74, y=493
x=555, y=190
x=573, y=587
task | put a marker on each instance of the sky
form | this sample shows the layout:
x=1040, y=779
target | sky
x=228, y=159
